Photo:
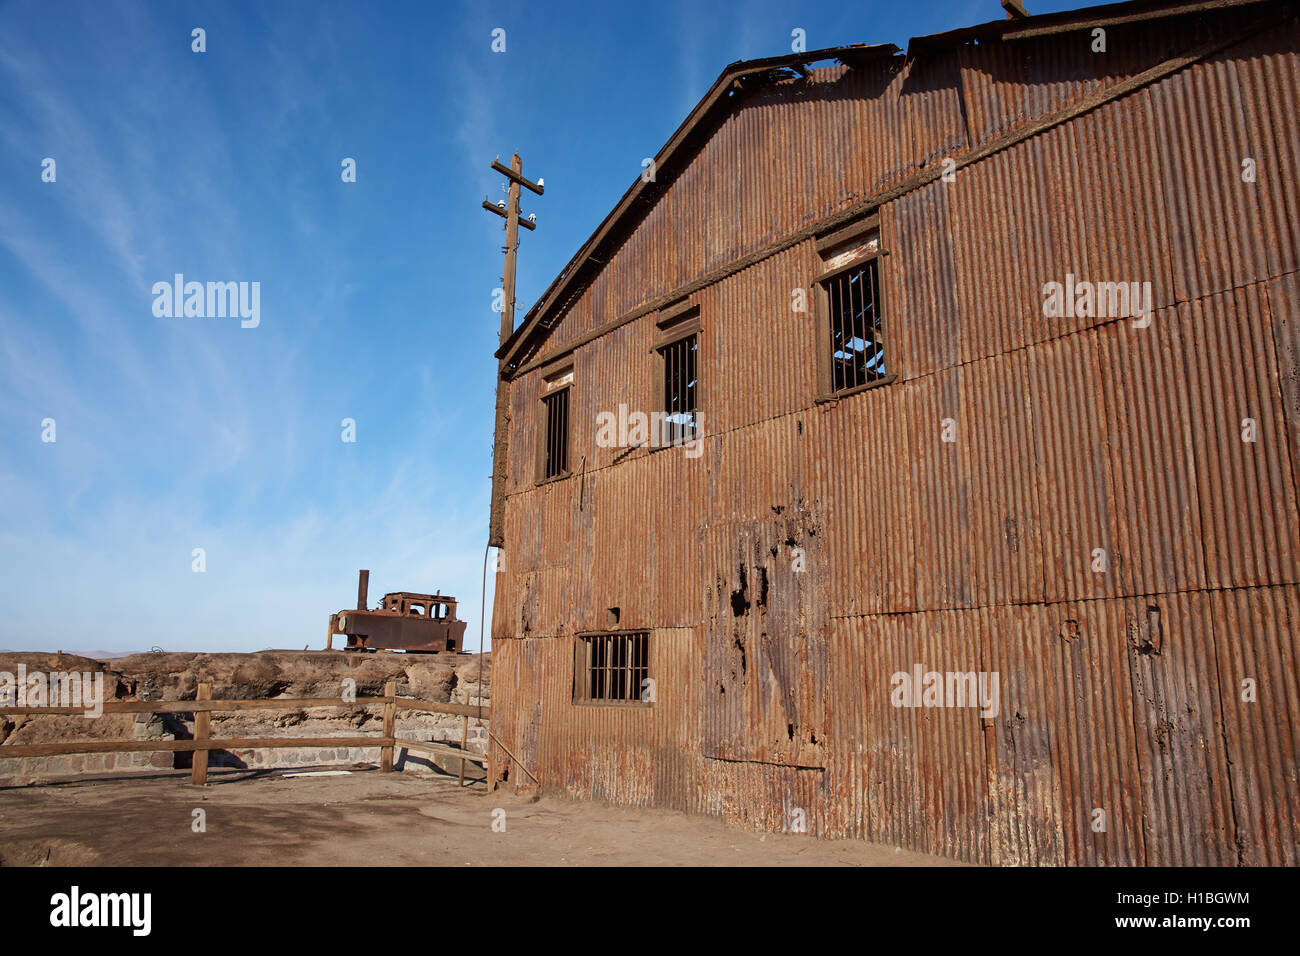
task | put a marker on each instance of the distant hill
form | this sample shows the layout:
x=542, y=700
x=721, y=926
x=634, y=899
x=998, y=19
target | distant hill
x=93, y=655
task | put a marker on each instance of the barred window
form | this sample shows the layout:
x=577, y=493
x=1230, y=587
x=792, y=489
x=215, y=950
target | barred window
x=555, y=435
x=611, y=668
x=857, y=344
x=680, y=393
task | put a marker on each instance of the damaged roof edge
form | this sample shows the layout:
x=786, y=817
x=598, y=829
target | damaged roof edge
x=558, y=294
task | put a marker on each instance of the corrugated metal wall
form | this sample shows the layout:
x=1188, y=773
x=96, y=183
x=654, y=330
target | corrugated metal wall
x=813, y=551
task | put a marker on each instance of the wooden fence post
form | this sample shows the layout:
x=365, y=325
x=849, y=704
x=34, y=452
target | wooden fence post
x=390, y=727
x=464, y=741
x=202, y=718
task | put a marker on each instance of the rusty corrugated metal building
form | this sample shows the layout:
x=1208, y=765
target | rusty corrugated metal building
x=922, y=469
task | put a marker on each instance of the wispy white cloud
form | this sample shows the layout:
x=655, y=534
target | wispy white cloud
x=175, y=434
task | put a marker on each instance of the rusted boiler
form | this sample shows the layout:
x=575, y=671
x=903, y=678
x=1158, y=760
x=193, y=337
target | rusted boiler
x=405, y=621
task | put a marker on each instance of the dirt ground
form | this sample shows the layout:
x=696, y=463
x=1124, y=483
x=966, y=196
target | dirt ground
x=367, y=818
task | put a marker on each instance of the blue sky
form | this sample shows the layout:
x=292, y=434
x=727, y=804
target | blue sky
x=181, y=433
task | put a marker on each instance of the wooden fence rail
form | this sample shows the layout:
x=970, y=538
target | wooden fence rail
x=203, y=743
x=278, y=703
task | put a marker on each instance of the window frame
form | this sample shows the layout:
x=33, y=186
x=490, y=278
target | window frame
x=858, y=234
x=581, y=689
x=555, y=380
x=691, y=331
x=675, y=322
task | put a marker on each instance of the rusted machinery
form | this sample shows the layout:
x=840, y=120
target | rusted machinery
x=406, y=621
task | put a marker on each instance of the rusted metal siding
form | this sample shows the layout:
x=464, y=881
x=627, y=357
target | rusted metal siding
x=909, y=777
x=1220, y=237
x=1248, y=498
x=1284, y=308
x=1007, y=85
x=1158, y=498
x=917, y=229
x=1254, y=639
x=858, y=455
x=1268, y=81
x=1077, y=214
x=1006, y=523
x=764, y=669
x=814, y=550
x=1075, y=474
x=756, y=302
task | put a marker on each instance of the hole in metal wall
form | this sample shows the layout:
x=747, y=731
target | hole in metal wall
x=740, y=597
x=1152, y=638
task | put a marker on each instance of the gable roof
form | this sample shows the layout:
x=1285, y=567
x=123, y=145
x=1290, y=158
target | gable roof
x=735, y=80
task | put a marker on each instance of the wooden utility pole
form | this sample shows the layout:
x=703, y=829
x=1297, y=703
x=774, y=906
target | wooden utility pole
x=514, y=173
x=511, y=214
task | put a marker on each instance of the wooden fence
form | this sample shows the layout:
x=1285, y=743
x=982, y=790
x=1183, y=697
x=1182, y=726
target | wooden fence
x=203, y=705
